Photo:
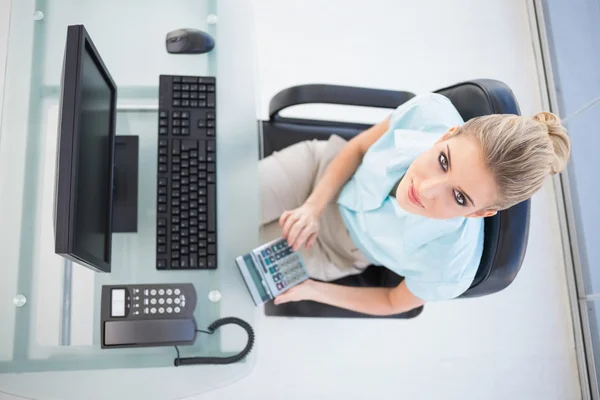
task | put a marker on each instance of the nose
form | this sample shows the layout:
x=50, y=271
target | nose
x=430, y=187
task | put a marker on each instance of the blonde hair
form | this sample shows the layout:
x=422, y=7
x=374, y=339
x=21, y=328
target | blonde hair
x=520, y=152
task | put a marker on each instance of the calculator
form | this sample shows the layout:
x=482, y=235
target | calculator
x=271, y=269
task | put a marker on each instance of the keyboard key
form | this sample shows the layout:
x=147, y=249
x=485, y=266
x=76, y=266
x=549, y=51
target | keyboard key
x=162, y=222
x=202, y=261
x=176, y=147
x=161, y=264
x=163, y=114
x=184, y=262
x=187, y=144
x=211, y=146
x=185, y=114
x=193, y=260
x=212, y=212
x=211, y=262
x=162, y=181
x=163, y=131
x=202, y=151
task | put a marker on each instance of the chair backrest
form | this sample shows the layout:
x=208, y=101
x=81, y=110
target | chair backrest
x=506, y=233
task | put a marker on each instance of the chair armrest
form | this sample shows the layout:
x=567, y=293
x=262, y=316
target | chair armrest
x=335, y=94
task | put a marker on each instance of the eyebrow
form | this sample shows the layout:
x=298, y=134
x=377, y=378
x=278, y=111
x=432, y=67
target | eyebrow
x=449, y=168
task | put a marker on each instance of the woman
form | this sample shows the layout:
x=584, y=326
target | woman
x=410, y=193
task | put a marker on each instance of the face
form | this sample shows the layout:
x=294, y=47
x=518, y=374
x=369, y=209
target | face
x=449, y=180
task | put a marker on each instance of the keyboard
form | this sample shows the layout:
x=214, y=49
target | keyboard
x=186, y=206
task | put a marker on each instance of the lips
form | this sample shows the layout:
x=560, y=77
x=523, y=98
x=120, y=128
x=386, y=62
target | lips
x=413, y=196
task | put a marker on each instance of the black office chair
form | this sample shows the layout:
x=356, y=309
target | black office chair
x=506, y=233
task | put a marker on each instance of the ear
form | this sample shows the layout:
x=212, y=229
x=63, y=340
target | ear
x=448, y=134
x=483, y=213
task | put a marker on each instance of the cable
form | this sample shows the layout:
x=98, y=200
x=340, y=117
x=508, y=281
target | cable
x=220, y=360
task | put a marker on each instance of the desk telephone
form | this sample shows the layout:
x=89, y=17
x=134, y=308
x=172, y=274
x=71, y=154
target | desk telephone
x=159, y=315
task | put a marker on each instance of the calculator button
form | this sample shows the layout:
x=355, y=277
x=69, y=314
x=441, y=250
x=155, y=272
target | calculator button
x=161, y=310
x=177, y=300
x=153, y=292
x=177, y=309
x=146, y=310
x=161, y=292
x=169, y=292
x=146, y=292
x=169, y=310
x=153, y=310
x=169, y=300
x=146, y=301
x=161, y=301
x=153, y=301
x=177, y=291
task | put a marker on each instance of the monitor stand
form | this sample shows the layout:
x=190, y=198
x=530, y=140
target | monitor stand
x=125, y=200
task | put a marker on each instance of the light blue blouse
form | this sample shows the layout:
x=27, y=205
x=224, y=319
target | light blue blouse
x=438, y=258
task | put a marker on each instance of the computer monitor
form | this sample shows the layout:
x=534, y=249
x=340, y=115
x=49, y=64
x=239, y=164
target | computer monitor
x=85, y=174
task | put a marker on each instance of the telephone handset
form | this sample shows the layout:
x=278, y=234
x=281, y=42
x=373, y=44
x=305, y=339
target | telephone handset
x=159, y=315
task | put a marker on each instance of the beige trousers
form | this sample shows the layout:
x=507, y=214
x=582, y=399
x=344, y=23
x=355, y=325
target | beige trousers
x=287, y=178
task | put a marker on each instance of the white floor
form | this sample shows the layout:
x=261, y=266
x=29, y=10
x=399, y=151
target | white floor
x=517, y=344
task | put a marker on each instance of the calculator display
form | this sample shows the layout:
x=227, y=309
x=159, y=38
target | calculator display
x=256, y=277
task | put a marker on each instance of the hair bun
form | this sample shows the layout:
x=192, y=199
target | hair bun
x=559, y=137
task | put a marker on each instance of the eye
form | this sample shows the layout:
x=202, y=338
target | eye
x=443, y=161
x=460, y=198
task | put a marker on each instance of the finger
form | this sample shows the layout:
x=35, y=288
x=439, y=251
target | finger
x=291, y=221
x=295, y=232
x=281, y=299
x=311, y=239
x=302, y=237
x=284, y=216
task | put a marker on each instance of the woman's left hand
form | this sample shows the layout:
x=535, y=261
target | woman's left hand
x=304, y=291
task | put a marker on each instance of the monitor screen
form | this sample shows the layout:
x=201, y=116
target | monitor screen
x=85, y=161
x=93, y=183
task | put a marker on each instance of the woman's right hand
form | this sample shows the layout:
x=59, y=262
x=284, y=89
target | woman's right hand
x=300, y=226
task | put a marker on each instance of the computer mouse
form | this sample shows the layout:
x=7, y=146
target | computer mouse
x=189, y=41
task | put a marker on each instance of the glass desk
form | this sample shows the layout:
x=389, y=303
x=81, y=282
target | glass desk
x=50, y=347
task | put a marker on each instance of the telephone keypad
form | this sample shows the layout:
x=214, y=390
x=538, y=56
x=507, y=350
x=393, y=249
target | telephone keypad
x=157, y=301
